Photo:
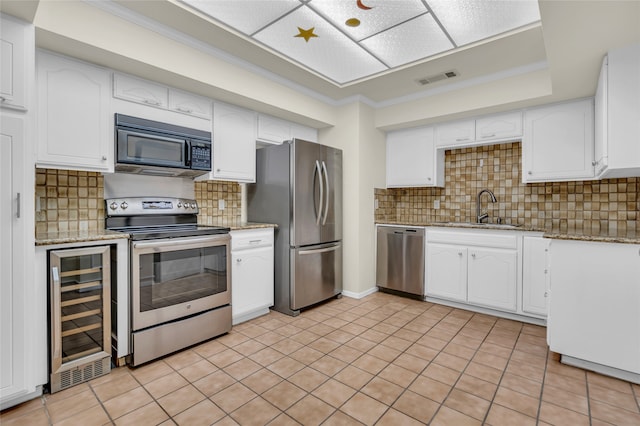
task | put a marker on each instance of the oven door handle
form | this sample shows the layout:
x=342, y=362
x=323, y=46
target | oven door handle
x=175, y=244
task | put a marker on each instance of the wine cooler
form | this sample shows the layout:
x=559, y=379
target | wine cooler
x=80, y=323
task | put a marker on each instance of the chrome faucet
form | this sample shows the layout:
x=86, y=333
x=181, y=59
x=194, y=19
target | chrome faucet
x=482, y=216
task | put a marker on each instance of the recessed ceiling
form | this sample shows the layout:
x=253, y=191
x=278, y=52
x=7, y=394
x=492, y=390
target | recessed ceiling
x=350, y=41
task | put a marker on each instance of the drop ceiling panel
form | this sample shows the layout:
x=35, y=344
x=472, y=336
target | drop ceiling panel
x=380, y=15
x=469, y=21
x=411, y=41
x=328, y=51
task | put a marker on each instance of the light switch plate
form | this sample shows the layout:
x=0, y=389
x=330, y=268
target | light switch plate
x=221, y=204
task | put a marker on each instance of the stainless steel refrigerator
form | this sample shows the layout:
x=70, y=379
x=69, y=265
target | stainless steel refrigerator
x=299, y=188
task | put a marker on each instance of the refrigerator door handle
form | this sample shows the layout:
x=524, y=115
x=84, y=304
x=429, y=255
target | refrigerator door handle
x=320, y=250
x=319, y=209
x=326, y=205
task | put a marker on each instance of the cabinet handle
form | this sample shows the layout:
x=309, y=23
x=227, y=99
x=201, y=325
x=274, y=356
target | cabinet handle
x=594, y=163
x=238, y=260
x=461, y=139
x=3, y=99
x=473, y=255
x=529, y=172
x=546, y=294
x=151, y=102
x=493, y=135
x=18, y=206
x=459, y=253
x=104, y=158
x=187, y=110
x=255, y=241
x=429, y=179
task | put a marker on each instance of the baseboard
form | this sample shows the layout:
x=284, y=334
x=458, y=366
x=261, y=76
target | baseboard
x=360, y=295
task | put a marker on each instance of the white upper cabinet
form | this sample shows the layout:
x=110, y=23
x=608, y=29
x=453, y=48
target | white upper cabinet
x=234, y=143
x=272, y=130
x=141, y=91
x=456, y=133
x=480, y=131
x=617, y=114
x=499, y=126
x=16, y=61
x=188, y=103
x=75, y=126
x=558, y=142
x=412, y=159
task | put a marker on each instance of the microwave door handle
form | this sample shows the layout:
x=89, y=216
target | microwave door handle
x=187, y=156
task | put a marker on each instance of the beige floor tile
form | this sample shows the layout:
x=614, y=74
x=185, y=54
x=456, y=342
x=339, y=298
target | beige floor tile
x=225, y=421
x=361, y=344
x=477, y=387
x=490, y=360
x=423, y=352
x=241, y=369
x=165, y=384
x=69, y=392
x=468, y=404
x=385, y=328
x=249, y=347
x=370, y=364
x=430, y=388
x=214, y=383
x=256, y=412
x=261, y=381
x=283, y=420
x=411, y=362
x=150, y=372
x=308, y=379
x=565, y=399
x=288, y=330
x=451, y=361
x=447, y=416
x=521, y=384
x=324, y=345
x=494, y=349
x=127, y=402
x=151, y=414
x=341, y=419
x=416, y=406
x=94, y=416
x=22, y=409
x=286, y=367
x=613, y=415
x=64, y=408
x=197, y=370
x=385, y=353
x=353, y=376
x=182, y=359
x=503, y=416
x=225, y=358
x=286, y=346
x=396, y=343
x=233, y=338
x=328, y=365
x=554, y=414
x=484, y=372
x=253, y=330
x=284, y=395
x=382, y=390
x=459, y=350
x=346, y=353
x=233, y=397
x=203, y=413
x=266, y=356
x=442, y=374
x=181, y=399
x=517, y=401
x=398, y=375
x=609, y=382
x=320, y=329
x=37, y=417
x=364, y=408
x=210, y=348
x=334, y=392
x=395, y=418
x=310, y=411
x=613, y=397
x=568, y=384
x=306, y=355
x=340, y=336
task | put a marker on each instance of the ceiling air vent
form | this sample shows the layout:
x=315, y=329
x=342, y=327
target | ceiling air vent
x=436, y=77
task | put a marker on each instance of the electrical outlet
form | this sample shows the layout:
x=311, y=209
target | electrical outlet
x=436, y=204
x=220, y=204
x=375, y=204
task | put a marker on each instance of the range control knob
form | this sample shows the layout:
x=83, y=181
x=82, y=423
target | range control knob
x=124, y=205
x=179, y=204
x=186, y=205
x=113, y=205
x=194, y=205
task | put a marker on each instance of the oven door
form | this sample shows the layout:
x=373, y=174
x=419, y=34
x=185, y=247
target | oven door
x=179, y=277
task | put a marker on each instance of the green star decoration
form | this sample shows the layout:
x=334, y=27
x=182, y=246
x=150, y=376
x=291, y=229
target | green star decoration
x=306, y=34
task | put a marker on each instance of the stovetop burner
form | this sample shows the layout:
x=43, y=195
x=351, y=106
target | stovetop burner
x=147, y=218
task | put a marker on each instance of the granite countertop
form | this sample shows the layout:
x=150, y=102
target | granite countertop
x=64, y=237
x=608, y=236
x=236, y=225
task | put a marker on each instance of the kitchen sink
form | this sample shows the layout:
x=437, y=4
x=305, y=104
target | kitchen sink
x=480, y=225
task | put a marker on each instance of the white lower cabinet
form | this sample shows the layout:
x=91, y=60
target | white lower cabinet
x=252, y=271
x=484, y=268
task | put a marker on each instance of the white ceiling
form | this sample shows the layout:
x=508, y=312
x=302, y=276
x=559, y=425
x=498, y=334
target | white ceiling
x=347, y=41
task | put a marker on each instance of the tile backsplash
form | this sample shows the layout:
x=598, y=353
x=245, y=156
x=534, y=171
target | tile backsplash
x=69, y=200
x=605, y=206
x=208, y=194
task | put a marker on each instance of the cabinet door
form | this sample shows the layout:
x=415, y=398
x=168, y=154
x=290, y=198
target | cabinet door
x=411, y=158
x=600, y=121
x=15, y=50
x=234, y=143
x=271, y=129
x=252, y=285
x=190, y=104
x=75, y=126
x=535, y=276
x=446, y=273
x=558, y=142
x=13, y=330
x=500, y=126
x=306, y=133
x=493, y=277
x=140, y=91
x=456, y=133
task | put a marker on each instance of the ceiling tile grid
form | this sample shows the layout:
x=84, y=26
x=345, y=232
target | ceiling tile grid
x=347, y=41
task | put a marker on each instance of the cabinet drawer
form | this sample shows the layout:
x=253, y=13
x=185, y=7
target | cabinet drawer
x=483, y=239
x=140, y=91
x=244, y=240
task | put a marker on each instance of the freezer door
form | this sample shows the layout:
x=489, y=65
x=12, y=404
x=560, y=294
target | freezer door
x=316, y=274
x=316, y=189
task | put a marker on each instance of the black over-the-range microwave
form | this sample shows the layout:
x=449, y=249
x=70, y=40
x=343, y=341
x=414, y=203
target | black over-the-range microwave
x=160, y=149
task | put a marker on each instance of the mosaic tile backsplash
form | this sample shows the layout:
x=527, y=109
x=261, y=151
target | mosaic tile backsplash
x=69, y=201
x=608, y=206
x=207, y=195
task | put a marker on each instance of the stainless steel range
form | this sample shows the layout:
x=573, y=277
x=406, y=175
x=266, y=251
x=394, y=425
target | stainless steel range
x=179, y=274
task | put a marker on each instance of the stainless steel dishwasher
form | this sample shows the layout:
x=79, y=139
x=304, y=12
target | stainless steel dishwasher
x=400, y=259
